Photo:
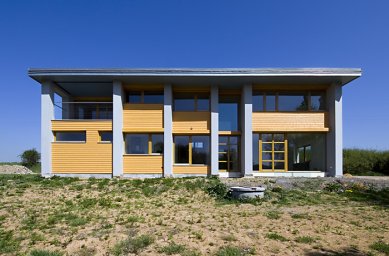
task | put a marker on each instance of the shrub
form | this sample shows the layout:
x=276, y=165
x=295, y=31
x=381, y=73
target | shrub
x=132, y=245
x=363, y=161
x=172, y=249
x=217, y=189
x=235, y=251
x=30, y=157
x=381, y=247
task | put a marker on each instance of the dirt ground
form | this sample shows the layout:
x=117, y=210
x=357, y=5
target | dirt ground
x=93, y=217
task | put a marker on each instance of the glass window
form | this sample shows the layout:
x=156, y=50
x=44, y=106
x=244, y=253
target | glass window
x=255, y=151
x=70, y=136
x=292, y=102
x=106, y=136
x=184, y=102
x=200, y=150
x=157, y=143
x=258, y=102
x=202, y=102
x=134, y=97
x=181, y=149
x=229, y=113
x=318, y=101
x=137, y=143
x=153, y=97
x=270, y=102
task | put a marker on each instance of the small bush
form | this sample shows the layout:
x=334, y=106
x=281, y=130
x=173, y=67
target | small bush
x=132, y=245
x=305, y=239
x=275, y=236
x=172, y=249
x=217, y=189
x=380, y=247
x=30, y=157
x=235, y=251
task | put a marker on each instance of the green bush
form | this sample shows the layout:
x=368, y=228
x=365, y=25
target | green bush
x=365, y=162
x=30, y=157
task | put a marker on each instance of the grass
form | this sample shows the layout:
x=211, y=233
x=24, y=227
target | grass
x=305, y=239
x=380, y=246
x=172, y=248
x=234, y=251
x=8, y=243
x=276, y=236
x=45, y=253
x=132, y=245
x=273, y=215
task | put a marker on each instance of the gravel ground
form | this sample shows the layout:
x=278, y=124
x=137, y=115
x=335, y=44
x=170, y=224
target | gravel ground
x=14, y=169
x=377, y=182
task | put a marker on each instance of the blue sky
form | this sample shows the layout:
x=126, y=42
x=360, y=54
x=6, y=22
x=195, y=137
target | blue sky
x=179, y=33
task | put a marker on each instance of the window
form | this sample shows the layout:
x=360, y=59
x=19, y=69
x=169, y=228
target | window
x=106, y=136
x=70, y=136
x=144, y=144
x=145, y=97
x=272, y=155
x=229, y=113
x=191, y=150
x=191, y=102
x=289, y=101
x=255, y=151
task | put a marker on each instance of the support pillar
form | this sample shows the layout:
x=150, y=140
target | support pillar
x=117, y=129
x=247, y=131
x=335, y=135
x=47, y=137
x=168, y=131
x=214, y=130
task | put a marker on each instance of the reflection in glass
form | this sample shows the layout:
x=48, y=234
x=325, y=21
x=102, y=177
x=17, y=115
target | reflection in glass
x=153, y=97
x=270, y=102
x=134, y=97
x=228, y=113
x=258, y=102
x=70, y=136
x=267, y=146
x=267, y=137
x=292, y=102
x=279, y=165
x=255, y=151
x=318, y=101
x=181, y=149
x=184, y=102
x=136, y=143
x=202, y=102
x=106, y=136
x=266, y=156
x=157, y=143
x=200, y=150
x=266, y=165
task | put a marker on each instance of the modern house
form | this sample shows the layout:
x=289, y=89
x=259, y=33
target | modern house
x=192, y=122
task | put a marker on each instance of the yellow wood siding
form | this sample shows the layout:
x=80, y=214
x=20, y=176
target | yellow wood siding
x=290, y=122
x=191, y=169
x=143, y=118
x=145, y=164
x=191, y=122
x=91, y=157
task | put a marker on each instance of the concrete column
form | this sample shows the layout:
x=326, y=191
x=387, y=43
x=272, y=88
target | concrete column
x=117, y=129
x=47, y=137
x=247, y=131
x=335, y=135
x=214, y=130
x=168, y=131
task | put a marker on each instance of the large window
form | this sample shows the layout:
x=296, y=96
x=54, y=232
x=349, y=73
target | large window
x=288, y=101
x=229, y=113
x=191, y=102
x=145, y=97
x=70, y=136
x=144, y=143
x=191, y=150
x=272, y=152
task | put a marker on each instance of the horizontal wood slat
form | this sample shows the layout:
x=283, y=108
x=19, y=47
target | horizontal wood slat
x=191, y=169
x=142, y=164
x=290, y=121
x=142, y=117
x=81, y=125
x=191, y=122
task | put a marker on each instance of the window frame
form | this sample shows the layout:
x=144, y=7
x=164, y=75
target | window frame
x=70, y=141
x=190, y=153
x=149, y=144
x=142, y=96
x=105, y=141
x=276, y=94
x=273, y=151
x=195, y=97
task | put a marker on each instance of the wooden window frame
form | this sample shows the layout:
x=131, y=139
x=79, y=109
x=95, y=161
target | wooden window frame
x=190, y=145
x=195, y=98
x=142, y=96
x=149, y=144
x=273, y=161
x=228, y=152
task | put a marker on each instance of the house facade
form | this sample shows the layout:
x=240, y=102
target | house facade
x=192, y=122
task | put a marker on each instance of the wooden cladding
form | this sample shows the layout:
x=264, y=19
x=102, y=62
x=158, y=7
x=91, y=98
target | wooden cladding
x=90, y=157
x=191, y=122
x=191, y=169
x=143, y=118
x=142, y=164
x=290, y=122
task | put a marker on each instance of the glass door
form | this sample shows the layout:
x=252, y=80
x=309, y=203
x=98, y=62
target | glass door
x=273, y=152
x=229, y=153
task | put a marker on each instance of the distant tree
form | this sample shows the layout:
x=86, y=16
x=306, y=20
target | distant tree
x=30, y=157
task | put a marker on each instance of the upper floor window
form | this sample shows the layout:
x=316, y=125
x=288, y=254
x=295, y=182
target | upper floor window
x=145, y=97
x=191, y=102
x=229, y=113
x=70, y=136
x=106, y=136
x=288, y=101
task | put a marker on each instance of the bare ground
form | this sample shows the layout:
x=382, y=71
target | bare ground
x=91, y=217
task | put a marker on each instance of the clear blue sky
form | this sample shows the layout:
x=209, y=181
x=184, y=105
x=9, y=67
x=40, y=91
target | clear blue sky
x=66, y=33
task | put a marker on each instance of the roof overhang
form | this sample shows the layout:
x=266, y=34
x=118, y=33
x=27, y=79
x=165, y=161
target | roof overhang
x=194, y=76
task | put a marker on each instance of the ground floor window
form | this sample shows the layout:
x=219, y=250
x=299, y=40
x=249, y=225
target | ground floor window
x=191, y=149
x=229, y=153
x=289, y=152
x=144, y=144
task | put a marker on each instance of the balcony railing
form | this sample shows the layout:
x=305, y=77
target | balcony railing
x=83, y=110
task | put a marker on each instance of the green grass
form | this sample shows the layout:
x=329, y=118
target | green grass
x=172, y=248
x=380, y=246
x=305, y=239
x=132, y=245
x=8, y=243
x=273, y=215
x=234, y=251
x=276, y=236
x=45, y=253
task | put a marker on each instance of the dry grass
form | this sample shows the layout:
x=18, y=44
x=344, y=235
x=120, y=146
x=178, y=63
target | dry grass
x=178, y=216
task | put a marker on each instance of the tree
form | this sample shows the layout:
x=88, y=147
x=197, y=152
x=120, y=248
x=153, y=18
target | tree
x=30, y=157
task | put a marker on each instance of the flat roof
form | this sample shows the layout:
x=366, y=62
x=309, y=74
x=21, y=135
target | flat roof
x=72, y=78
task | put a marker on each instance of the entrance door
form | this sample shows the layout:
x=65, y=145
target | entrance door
x=273, y=154
x=229, y=153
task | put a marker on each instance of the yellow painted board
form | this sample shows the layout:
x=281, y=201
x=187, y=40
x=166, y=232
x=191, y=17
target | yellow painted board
x=191, y=169
x=142, y=117
x=143, y=164
x=191, y=122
